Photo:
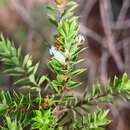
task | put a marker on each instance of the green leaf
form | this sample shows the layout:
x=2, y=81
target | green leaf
x=22, y=81
x=73, y=84
x=13, y=125
x=41, y=80
x=53, y=20
x=52, y=9
x=32, y=79
x=26, y=60
x=125, y=77
x=35, y=68
x=73, y=5
x=3, y=107
x=61, y=31
x=77, y=72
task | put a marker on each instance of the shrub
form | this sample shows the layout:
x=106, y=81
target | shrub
x=60, y=109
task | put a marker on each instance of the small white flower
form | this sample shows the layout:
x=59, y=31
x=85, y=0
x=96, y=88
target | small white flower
x=81, y=39
x=53, y=51
x=57, y=55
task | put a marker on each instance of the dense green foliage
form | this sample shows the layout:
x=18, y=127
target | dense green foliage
x=18, y=66
x=60, y=109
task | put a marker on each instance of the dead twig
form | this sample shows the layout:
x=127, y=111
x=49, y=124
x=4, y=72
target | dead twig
x=105, y=9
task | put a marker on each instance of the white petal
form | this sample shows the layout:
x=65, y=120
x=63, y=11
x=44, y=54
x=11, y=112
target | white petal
x=59, y=57
x=53, y=50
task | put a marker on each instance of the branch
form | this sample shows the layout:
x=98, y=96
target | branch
x=124, y=9
x=105, y=9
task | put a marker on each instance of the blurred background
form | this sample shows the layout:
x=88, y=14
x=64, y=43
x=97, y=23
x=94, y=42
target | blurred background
x=105, y=24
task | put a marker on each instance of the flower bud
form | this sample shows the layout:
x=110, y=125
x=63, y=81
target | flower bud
x=61, y=5
x=45, y=103
x=59, y=2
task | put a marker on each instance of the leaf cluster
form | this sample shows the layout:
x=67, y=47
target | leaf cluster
x=18, y=66
x=17, y=106
x=120, y=87
x=67, y=44
x=12, y=125
x=92, y=121
x=44, y=120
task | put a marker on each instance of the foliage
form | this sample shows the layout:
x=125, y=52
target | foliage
x=96, y=120
x=93, y=121
x=18, y=66
x=66, y=50
x=12, y=125
x=17, y=106
x=60, y=109
x=44, y=120
x=121, y=87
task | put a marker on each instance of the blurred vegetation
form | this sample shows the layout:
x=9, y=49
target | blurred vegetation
x=26, y=23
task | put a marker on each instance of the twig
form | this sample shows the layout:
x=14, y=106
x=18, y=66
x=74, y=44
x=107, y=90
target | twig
x=87, y=5
x=124, y=9
x=105, y=9
x=121, y=25
x=90, y=33
x=103, y=67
